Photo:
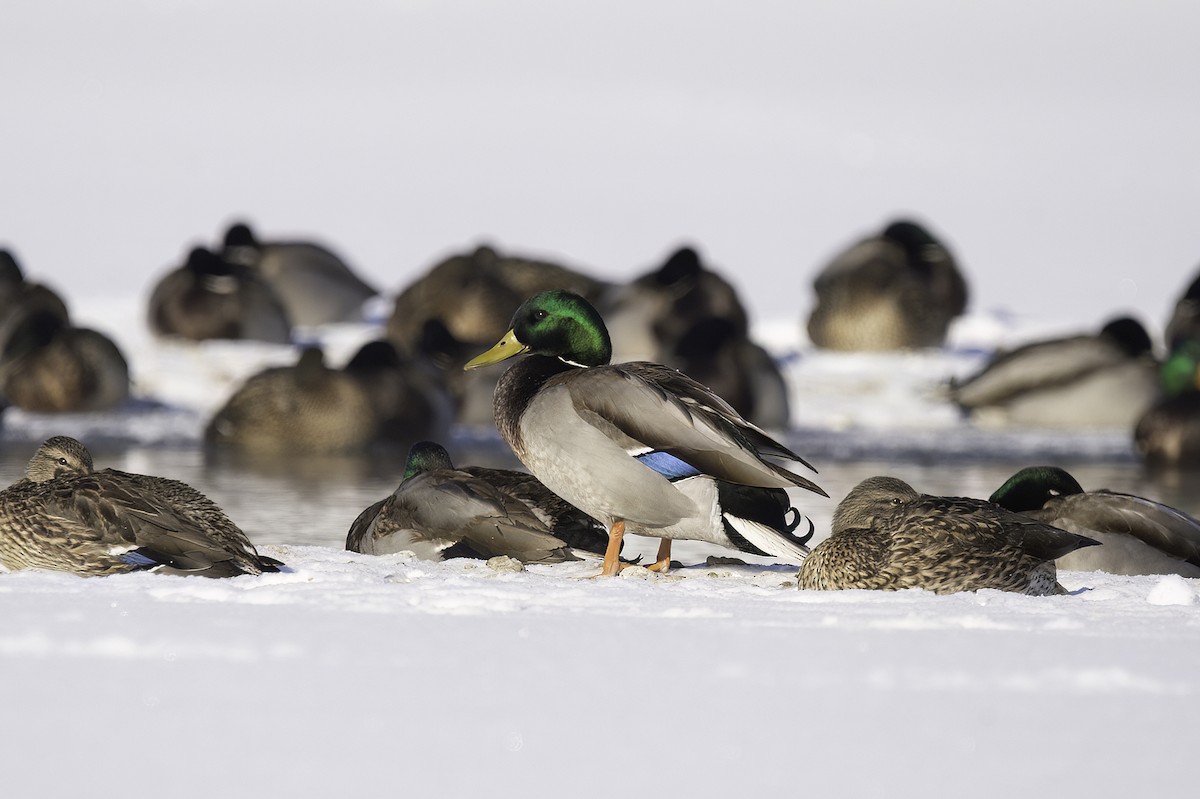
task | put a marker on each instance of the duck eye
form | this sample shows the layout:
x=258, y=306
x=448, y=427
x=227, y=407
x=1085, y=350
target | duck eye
x=63, y=461
x=540, y=314
x=895, y=500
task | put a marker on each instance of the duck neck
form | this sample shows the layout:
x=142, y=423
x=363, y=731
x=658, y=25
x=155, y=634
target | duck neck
x=518, y=386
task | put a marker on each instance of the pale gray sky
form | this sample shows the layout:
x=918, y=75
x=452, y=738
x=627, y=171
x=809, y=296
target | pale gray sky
x=1055, y=146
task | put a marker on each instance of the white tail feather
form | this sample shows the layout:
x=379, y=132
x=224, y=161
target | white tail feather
x=768, y=540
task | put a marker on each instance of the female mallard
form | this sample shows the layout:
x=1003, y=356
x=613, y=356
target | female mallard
x=637, y=445
x=67, y=517
x=50, y=366
x=440, y=512
x=1138, y=536
x=887, y=536
x=1105, y=379
x=307, y=408
x=896, y=290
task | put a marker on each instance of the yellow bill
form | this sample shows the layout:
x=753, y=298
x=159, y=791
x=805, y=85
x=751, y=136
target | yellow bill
x=507, y=347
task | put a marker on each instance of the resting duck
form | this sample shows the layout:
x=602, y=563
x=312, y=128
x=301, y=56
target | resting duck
x=1138, y=536
x=315, y=286
x=410, y=399
x=66, y=517
x=886, y=536
x=473, y=295
x=1103, y=380
x=687, y=316
x=439, y=512
x=896, y=290
x=638, y=446
x=48, y=365
x=1168, y=434
x=306, y=408
x=211, y=298
x=16, y=292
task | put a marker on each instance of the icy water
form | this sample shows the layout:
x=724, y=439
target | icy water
x=309, y=500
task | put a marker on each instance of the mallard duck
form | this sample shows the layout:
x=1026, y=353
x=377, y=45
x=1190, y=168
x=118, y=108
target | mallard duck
x=48, y=365
x=1138, y=536
x=1168, y=434
x=315, y=286
x=65, y=516
x=473, y=295
x=687, y=316
x=1103, y=380
x=636, y=445
x=307, y=408
x=211, y=298
x=411, y=400
x=440, y=512
x=886, y=536
x=896, y=290
x=16, y=292
x=1184, y=324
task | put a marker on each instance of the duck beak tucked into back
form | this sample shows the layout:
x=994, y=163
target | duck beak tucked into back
x=507, y=347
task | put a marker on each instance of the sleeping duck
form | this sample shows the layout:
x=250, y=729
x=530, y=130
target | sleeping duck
x=315, y=286
x=688, y=316
x=1168, y=434
x=1137, y=536
x=67, y=517
x=886, y=536
x=306, y=408
x=896, y=290
x=440, y=512
x=638, y=446
x=473, y=295
x=1103, y=380
x=48, y=365
x=212, y=298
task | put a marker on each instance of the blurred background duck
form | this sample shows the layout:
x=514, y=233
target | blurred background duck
x=212, y=298
x=1168, y=434
x=1106, y=379
x=636, y=445
x=305, y=408
x=409, y=395
x=688, y=316
x=463, y=304
x=896, y=290
x=1184, y=324
x=1137, y=535
x=48, y=365
x=439, y=512
x=315, y=286
x=65, y=516
x=886, y=536
x=473, y=295
x=16, y=292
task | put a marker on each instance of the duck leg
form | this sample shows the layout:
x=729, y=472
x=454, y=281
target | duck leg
x=663, y=561
x=612, y=563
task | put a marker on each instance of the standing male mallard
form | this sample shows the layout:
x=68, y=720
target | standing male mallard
x=886, y=536
x=67, y=517
x=636, y=445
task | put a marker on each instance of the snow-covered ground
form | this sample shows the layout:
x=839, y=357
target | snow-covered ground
x=358, y=675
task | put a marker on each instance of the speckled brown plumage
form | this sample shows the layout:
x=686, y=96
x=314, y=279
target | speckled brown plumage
x=64, y=516
x=886, y=536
